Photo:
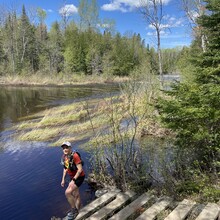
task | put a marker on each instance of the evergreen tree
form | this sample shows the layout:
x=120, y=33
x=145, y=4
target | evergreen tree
x=55, y=48
x=10, y=36
x=42, y=42
x=193, y=113
x=28, y=56
x=94, y=52
x=2, y=53
x=75, y=49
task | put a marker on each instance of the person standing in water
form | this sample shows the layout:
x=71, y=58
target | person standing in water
x=72, y=164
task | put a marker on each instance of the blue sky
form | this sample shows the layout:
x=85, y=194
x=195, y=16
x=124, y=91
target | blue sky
x=126, y=16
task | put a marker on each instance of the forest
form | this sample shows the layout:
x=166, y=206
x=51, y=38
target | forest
x=75, y=47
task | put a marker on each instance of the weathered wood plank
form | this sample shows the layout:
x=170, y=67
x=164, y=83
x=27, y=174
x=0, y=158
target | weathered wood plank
x=181, y=211
x=95, y=205
x=116, y=204
x=155, y=209
x=132, y=207
x=210, y=212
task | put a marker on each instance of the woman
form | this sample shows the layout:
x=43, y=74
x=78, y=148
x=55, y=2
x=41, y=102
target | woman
x=72, y=164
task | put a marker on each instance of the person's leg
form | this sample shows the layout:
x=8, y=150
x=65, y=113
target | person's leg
x=78, y=182
x=70, y=194
x=77, y=199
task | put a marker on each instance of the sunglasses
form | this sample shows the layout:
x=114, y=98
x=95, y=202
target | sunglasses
x=65, y=147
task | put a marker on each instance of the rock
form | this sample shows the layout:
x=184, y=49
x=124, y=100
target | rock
x=100, y=192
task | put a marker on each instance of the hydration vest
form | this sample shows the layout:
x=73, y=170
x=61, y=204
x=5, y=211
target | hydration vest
x=71, y=166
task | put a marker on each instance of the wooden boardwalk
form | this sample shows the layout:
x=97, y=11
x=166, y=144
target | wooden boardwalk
x=115, y=205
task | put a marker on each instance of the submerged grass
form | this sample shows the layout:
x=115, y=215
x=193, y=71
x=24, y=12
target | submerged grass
x=75, y=122
x=86, y=119
x=44, y=134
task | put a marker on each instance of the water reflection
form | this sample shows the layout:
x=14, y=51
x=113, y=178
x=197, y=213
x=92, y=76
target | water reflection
x=22, y=101
x=158, y=154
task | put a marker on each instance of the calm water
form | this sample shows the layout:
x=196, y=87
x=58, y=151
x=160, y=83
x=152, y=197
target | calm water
x=30, y=172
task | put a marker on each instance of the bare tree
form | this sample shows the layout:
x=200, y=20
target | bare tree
x=193, y=10
x=66, y=11
x=152, y=10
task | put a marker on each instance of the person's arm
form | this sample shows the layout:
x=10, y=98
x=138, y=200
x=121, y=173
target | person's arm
x=79, y=171
x=63, y=177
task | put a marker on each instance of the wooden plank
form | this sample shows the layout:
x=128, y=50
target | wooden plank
x=181, y=211
x=132, y=207
x=155, y=209
x=210, y=212
x=112, y=206
x=95, y=205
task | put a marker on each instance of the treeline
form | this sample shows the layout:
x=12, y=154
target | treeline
x=32, y=48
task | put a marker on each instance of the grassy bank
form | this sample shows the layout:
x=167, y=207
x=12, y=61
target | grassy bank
x=60, y=79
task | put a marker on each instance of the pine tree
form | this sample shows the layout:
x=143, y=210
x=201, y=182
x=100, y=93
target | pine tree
x=194, y=110
x=55, y=48
x=27, y=49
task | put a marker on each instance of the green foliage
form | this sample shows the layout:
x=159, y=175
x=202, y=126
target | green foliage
x=89, y=14
x=79, y=48
x=55, y=48
x=27, y=48
x=170, y=58
x=185, y=64
x=192, y=110
x=200, y=187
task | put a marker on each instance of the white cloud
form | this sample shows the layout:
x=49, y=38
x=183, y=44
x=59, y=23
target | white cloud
x=169, y=22
x=126, y=5
x=68, y=10
x=163, y=33
x=50, y=10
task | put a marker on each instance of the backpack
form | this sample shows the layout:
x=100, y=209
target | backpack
x=72, y=165
x=82, y=162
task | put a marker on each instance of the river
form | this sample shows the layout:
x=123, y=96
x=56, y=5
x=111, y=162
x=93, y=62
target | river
x=30, y=172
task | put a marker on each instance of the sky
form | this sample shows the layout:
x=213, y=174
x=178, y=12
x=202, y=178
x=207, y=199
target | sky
x=127, y=17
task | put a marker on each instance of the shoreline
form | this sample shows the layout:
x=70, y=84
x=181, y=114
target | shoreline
x=55, y=82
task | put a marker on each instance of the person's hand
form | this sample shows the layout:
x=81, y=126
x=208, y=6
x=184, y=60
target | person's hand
x=62, y=183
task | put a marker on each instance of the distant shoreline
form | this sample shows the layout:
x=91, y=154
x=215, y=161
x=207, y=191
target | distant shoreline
x=56, y=81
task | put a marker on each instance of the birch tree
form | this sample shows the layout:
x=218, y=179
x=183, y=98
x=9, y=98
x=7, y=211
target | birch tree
x=66, y=11
x=152, y=10
x=89, y=14
x=193, y=10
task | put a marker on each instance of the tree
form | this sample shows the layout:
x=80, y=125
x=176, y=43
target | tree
x=27, y=49
x=193, y=112
x=10, y=35
x=75, y=49
x=55, y=48
x=66, y=12
x=2, y=53
x=194, y=9
x=89, y=14
x=41, y=14
x=152, y=10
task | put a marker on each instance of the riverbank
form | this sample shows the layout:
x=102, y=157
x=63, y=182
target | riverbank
x=58, y=80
